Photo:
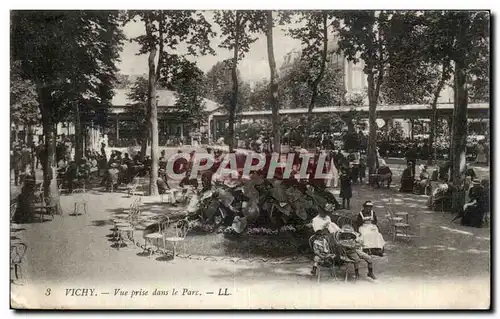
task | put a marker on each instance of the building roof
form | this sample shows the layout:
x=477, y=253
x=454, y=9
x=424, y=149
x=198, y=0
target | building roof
x=341, y=109
x=167, y=99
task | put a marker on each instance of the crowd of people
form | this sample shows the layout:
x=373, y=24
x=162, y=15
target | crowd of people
x=349, y=169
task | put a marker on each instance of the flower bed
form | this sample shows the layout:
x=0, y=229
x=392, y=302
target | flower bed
x=265, y=243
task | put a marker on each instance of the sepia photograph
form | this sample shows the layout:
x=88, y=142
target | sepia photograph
x=250, y=159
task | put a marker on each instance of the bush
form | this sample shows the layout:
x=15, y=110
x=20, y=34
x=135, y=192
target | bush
x=278, y=205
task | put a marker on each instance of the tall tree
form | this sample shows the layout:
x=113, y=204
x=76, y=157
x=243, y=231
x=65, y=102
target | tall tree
x=317, y=25
x=273, y=85
x=237, y=29
x=365, y=35
x=165, y=30
x=188, y=82
x=471, y=30
x=420, y=66
x=69, y=56
x=138, y=94
x=219, y=86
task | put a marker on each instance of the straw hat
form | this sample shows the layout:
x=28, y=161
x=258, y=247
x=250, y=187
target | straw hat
x=368, y=204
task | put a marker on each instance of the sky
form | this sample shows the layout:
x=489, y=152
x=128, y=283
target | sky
x=253, y=67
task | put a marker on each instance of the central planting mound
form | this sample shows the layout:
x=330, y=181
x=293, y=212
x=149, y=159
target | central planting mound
x=256, y=217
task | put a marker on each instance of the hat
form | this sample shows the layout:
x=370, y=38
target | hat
x=368, y=204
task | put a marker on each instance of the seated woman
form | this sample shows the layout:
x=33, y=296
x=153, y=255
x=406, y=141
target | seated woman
x=424, y=182
x=407, y=179
x=188, y=181
x=441, y=198
x=162, y=185
x=474, y=210
x=373, y=242
x=444, y=170
x=25, y=211
x=384, y=175
x=112, y=177
x=486, y=199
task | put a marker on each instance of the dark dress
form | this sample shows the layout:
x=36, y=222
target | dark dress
x=345, y=186
x=25, y=211
x=407, y=180
x=473, y=215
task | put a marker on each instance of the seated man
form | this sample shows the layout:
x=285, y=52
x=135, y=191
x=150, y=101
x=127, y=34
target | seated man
x=354, y=251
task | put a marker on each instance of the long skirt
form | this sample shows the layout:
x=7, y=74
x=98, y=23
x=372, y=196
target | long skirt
x=372, y=239
x=473, y=216
x=407, y=185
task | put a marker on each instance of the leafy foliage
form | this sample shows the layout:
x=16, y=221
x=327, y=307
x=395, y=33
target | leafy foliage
x=81, y=69
x=261, y=203
x=70, y=58
x=23, y=99
x=314, y=37
x=188, y=82
x=138, y=93
x=294, y=92
x=218, y=85
x=238, y=29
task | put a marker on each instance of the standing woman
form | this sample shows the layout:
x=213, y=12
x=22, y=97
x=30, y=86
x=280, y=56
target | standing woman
x=333, y=182
x=345, y=187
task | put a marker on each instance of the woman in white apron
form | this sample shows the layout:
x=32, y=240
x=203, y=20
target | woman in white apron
x=373, y=242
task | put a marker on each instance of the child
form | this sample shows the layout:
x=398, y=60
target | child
x=345, y=188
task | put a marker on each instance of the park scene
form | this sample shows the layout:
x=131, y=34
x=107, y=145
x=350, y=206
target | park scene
x=250, y=158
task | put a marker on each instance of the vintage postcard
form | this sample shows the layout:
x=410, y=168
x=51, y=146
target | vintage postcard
x=250, y=159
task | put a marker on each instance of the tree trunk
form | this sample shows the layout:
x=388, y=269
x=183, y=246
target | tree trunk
x=78, y=134
x=315, y=84
x=16, y=134
x=234, y=76
x=459, y=135
x=31, y=148
x=153, y=114
x=49, y=163
x=273, y=91
x=434, y=117
x=144, y=145
x=451, y=120
x=372, y=121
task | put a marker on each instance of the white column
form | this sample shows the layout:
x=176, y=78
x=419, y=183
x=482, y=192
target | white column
x=182, y=130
